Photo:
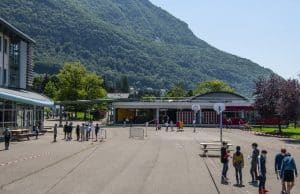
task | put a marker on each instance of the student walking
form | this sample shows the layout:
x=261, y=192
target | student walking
x=7, y=136
x=254, y=160
x=172, y=125
x=82, y=132
x=96, y=131
x=238, y=164
x=262, y=172
x=224, y=161
x=36, y=130
x=65, y=130
x=71, y=131
x=55, y=132
x=86, y=130
x=288, y=170
x=167, y=126
x=78, y=132
x=278, y=164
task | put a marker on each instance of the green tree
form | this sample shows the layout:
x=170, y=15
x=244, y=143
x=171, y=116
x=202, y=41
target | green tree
x=124, y=84
x=177, y=91
x=71, y=81
x=76, y=83
x=93, y=86
x=39, y=83
x=50, y=90
x=212, y=86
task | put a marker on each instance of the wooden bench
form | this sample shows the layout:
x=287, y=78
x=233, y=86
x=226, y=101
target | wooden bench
x=19, y=134
x=212, y=146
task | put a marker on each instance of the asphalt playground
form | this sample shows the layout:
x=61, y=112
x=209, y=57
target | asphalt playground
x=162, y=163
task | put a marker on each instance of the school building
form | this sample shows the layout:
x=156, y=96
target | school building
x=19, y=107
x=238, y=108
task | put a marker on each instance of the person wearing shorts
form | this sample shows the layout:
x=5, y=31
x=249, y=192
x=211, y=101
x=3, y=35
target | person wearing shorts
x=288, y=170
x=278, y=164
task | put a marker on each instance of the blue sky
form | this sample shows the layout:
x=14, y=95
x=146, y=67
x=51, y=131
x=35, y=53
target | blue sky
x=264, y=31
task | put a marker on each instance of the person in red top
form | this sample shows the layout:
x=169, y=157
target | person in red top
x=224, y=160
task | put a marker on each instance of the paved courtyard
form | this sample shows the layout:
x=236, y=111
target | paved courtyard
x=165, y=162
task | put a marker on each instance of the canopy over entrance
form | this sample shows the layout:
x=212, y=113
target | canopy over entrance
x=26, y=97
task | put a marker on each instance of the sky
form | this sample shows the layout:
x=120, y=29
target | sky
x=265, y=31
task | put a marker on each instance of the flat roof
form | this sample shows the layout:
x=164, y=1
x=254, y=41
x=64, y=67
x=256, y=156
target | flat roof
x=94, y=101
x=11, y=28
x=26, y=97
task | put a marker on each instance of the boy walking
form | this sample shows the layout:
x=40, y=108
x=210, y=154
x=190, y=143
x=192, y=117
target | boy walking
x=262, y=172
x=238, y=164
x=254, y=160
x=55, y=132
x=224, y=161
x=7, y=137
x=288, y=170
x=96, y=131
x=278, y=164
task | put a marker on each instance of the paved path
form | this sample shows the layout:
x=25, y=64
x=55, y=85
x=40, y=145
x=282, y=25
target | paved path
x=162, y=163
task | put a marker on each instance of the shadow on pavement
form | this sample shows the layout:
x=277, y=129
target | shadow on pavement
x=209, y=155
x=291, y=141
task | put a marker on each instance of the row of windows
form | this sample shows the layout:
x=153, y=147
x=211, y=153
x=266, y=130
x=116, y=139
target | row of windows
x=5, y=45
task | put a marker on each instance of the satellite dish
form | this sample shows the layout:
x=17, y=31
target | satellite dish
x=219, y=107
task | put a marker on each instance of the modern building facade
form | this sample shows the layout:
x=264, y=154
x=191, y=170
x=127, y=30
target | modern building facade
x=237, y=108
x=19, y=107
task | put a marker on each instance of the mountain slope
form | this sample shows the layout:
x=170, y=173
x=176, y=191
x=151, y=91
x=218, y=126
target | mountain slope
x=125, y=37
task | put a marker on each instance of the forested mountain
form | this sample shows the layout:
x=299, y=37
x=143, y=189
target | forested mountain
x=125, y=37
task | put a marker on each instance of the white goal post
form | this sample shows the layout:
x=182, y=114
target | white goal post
x=135, y=132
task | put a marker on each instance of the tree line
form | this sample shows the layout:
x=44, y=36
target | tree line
x=276, y=97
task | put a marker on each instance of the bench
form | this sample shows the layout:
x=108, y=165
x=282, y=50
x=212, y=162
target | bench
x=212, y=146
x=19, y=134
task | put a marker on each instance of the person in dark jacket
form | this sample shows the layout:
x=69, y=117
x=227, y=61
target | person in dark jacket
x=36, y=130
x=78, y=132
x=70, y=131
x=262, y=172
x=224, y=161
x=55, y=132
x=254, y=160
x=65, y=130
x=7, y=136
x=288, y=169
x=278, y=164
x=96, y=131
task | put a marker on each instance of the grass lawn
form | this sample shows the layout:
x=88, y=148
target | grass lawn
x=80, y=116
x=290, y=131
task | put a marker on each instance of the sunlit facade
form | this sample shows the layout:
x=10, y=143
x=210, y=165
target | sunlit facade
x=19, y=108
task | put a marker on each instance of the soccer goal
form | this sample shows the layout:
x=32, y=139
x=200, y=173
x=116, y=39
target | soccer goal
x=135, y=132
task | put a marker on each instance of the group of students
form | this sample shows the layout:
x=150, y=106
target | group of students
x=170, y=124
x=83, y=132
x=285, y=168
